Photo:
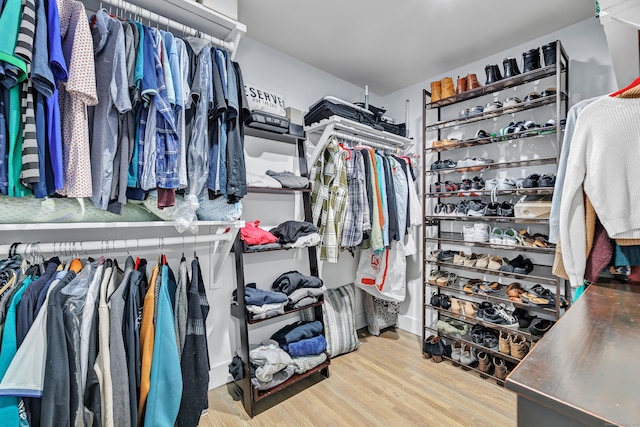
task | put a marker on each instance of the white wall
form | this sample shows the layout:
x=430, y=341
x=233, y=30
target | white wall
x=301, y=85
x=591, y=74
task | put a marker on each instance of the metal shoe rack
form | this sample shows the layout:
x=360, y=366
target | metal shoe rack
x=449, y=240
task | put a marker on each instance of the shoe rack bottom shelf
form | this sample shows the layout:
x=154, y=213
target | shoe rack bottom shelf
x=483, y=375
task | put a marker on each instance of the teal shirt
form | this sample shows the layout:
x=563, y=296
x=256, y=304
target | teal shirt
x=9, y=413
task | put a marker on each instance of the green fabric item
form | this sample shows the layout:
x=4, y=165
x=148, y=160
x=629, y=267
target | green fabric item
x=16, y=189
x=9, y=24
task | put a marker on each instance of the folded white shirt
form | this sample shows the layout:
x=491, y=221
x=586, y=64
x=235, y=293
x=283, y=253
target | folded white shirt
x=262, y=180
x=259, y=309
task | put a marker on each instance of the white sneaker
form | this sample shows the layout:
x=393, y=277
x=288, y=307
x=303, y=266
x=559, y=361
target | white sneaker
x=507, y=184
x=496, y=236
x=468, y=233
x=509, y=237
x=481, y=232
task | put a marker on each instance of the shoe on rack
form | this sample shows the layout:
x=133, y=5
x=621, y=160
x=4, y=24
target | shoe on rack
x=468, y=233
x=506, y=210
x=510, y=104
x=519, y=346
x=456, y=306
x=472, y=81
x=508, y=183
x=504, y=344
x=438, y=350
x=517, y=261
x=549, y=53
x=539, y=327
x=470, y=260
x=491, y=184
x=427, y=346
x=496, y=234
x=491, y=209
x=477, y=334
x=468, y=356
x=509, y=237
x=474, y=111
x=524, y=318
x=435, y=299
x=458, y=258
x=481, y=134
x=445, y=256
x=510, y=67
x=436, y=187
x=433, y=276
x=496, y=262
x=501, y=369
x=483, y=261
x=492, y=76
x=476, y=208
x=456, y=351
x=446, y=86
x=531, y=60
x=531, y=181
x=509, y=320
x=547, y=180
x=445, y=302
x=490, y=339
x=436, y=91
x=461, y=85
x=461, y=208
x=525, y=268
x=484, y=363
x=470, y=308
x=481, y=232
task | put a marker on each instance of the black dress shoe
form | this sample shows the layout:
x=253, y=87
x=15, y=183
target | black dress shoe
x=549, y=52
x=493, y=74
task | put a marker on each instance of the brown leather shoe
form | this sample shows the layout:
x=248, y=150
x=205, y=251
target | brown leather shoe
x=461, y=85
x=446, y=85
x=436, y=91
x=472, y=81
x=484, y=362
x=501, y=368
x=504, y=344
x=519, y=346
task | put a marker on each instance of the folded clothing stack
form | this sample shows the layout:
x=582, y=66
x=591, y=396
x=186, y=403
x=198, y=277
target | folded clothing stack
x=301, y=290
x=273, y=366
x=302, y=339
x=262, y=304
x=289, y=179
x=289, y=234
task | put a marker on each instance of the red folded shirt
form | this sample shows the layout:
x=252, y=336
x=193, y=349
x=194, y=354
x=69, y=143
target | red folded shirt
x=254, y=235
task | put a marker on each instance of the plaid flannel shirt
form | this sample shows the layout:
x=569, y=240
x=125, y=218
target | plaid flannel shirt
x=329, y=197
x=357, y=208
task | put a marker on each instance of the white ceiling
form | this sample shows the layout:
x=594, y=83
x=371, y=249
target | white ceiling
x=391, y=44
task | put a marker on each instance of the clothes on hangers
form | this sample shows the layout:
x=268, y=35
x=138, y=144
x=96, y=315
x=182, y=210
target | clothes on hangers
x=83, y=358
x=378, y=206
x=114, y=109
x=604, y=131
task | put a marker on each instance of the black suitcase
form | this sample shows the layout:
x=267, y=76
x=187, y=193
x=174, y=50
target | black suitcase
x=330, y=106
x=268, y=121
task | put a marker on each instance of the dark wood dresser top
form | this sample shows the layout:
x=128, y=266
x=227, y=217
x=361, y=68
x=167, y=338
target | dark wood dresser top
x=588, y=365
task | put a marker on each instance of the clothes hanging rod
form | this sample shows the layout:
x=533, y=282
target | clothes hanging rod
x=111, y=245
x=364, y=141
x=143, y=14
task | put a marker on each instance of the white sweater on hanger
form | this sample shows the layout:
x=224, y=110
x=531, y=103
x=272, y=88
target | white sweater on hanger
x=604, y=160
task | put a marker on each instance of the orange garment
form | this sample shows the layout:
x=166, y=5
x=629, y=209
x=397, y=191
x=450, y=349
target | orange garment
x=76, y=266
x=147, y=336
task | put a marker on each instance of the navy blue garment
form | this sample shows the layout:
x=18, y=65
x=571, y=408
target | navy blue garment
x=306, y=347
x=297, y=331
x=253, y=296
x=292, y=280
x=27, y=311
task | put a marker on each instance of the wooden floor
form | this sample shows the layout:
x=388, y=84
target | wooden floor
x=386, y=382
